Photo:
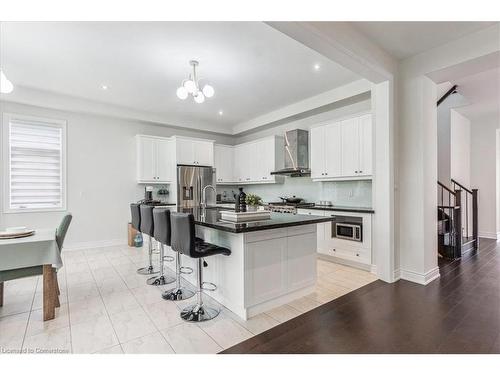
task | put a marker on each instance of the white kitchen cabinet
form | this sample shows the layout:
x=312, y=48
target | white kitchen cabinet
x=365, y=145
x=318, y=152
x=224, y=163
x=350, y=147
x=190, y=151
x=253, y=162
x=342, y=150
x=155, y=159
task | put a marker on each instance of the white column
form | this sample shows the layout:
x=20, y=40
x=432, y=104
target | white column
x=383, y=182
x=418, y=179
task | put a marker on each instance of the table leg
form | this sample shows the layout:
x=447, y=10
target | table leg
x=1, y=293
x=49, y=300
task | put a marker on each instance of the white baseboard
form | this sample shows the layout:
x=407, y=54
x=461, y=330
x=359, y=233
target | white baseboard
x=94, y=244
x=420, y=278
x=491, y=235
x=396, y=275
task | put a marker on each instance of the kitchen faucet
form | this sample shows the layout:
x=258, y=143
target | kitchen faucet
x=204, y=195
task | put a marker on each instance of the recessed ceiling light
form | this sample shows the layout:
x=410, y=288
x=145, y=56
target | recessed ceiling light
x=317, y=67
x=104, y=87
x=221, y=112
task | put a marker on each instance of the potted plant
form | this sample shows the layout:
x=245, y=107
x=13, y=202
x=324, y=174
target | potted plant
x=253, y=201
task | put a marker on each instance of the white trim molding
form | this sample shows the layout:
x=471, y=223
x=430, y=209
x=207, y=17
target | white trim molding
x=491, y=235
x=94, y=244
x=396, y=275
x=420, y=278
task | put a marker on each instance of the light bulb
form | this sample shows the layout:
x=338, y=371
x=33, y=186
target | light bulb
x=190, y=86
x=199, y=98
x=6, y=86
x=182, y=93
x=208, y=91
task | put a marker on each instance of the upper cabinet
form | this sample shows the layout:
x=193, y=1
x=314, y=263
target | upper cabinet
x=251, y=162
x=155, y=159
x=191, y=151
x=224, y=163
x=342, y=150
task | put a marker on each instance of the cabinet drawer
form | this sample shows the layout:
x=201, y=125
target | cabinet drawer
x=302, y=211
x=355, y=255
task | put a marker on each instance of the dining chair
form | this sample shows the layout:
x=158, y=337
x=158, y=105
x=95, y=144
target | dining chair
x=19, y=273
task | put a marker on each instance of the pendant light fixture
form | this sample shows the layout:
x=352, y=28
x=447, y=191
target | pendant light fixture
x=6, y=86
x=191, y=86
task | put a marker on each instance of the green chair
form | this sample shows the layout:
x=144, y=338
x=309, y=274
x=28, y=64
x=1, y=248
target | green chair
x=37, y=270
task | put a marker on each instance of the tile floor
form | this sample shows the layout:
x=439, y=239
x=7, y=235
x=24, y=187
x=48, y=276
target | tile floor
x=106, y=307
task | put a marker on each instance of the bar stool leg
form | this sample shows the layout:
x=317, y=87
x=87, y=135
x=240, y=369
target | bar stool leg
x=199, y=312
x=149, y=270
x=162, y=279
x=178, y=293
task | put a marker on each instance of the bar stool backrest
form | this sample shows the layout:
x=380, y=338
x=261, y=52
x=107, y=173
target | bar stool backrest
x=162, y=229
x=147, y=224
x=136, y=216
x=183, y=234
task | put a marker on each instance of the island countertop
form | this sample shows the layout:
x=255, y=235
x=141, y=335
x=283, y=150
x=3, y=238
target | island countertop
x=212, y=219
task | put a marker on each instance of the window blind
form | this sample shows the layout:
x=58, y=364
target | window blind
x=36, y=165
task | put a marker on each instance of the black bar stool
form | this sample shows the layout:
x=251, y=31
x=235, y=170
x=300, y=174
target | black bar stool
x=162, y=234
x=184, y=241
x=147, y=228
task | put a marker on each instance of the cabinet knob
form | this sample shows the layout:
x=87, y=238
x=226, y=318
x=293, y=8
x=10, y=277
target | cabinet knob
x=334, y=249
x=357, y=255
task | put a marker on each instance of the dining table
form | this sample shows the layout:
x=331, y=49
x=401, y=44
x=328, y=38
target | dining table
x=39, y=249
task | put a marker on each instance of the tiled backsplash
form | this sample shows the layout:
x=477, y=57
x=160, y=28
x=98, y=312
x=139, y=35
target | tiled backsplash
x=341, y=193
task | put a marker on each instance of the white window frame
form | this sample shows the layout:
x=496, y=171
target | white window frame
x=61, y=124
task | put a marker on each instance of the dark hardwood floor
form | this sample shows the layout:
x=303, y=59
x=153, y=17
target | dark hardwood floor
x=458, y=313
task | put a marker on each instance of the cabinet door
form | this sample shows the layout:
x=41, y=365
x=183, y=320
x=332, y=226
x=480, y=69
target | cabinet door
x=317, y=153
x=264, y=160
x=238, y=168
x=365, y=145
x=223, y=162
x=203, y=153
x=146, y=159
x=301, y=254
x=185, y=151
x=350, y=147
x=247, y=162
x=165, y=161
x=333, y=150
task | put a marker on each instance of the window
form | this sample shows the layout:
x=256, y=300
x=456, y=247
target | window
x=34, y=164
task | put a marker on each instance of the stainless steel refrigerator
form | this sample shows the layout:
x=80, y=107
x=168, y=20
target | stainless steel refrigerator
x=191, y=181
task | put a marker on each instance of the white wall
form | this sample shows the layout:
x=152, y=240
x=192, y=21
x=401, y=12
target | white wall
x=101, y=174
x=460, y=148
x=483, y=174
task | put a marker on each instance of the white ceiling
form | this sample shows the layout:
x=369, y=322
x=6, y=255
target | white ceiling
x=405, y=39
x=482, y=92
x=254, y=68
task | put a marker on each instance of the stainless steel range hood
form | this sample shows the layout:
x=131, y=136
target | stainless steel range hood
x=296, y=154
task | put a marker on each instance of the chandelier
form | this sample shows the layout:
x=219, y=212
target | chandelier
x=192, y=86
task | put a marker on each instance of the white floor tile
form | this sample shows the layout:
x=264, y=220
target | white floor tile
x=15, y=304
x=37, y=325
x=93, y=335
x=52, y=341
x=119, y=301
x=82, y=291
x=86, y=310
x=188, y=338
x=132, y=324
x=164, y=314
x=283, y=313
x=257, y=324
x=304, y=304
x=154, y=343
x=225, y=331
x=117, y=349
x=12, y=329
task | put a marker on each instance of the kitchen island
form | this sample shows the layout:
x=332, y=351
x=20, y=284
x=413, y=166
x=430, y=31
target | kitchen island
x=272, y=261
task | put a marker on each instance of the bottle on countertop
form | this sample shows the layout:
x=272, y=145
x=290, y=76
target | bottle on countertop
x=236, y=203
x=242, y=198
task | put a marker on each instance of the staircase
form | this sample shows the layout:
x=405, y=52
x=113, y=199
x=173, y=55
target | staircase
x=457, y=220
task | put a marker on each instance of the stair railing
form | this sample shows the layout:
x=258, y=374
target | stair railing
x=449, y=204
x=472, y=196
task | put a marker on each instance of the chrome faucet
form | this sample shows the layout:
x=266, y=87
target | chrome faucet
x=204, y=195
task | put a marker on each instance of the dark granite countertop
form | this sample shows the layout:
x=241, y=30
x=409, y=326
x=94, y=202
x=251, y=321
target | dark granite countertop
x=212, y=219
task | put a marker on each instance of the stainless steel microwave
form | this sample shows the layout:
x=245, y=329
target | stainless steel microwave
x=348, y=228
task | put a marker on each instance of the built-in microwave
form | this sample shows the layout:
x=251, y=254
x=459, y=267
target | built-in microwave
x=348, y=228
